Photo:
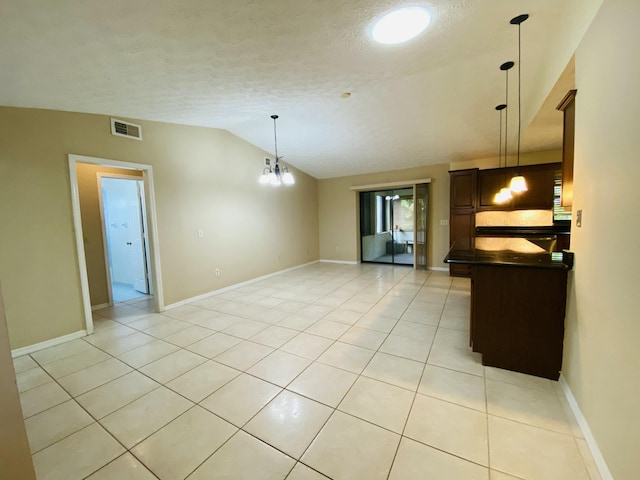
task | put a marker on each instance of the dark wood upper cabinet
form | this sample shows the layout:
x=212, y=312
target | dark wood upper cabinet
x=540, y=182
x=568, y=107
x=463, y=189
x=489, y=183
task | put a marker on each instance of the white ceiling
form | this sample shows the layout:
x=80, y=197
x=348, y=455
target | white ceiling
x=230, y=64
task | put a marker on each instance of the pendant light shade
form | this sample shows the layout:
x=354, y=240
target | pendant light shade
x=276, y=175
x=518, y=183
x=503, y=196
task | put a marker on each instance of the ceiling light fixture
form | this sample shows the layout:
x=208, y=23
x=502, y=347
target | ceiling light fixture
x=518, y=183
x=275, y=175
x=401, y=25
x=504, y=195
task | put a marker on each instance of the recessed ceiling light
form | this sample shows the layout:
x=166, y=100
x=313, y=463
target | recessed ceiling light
x=401, y=25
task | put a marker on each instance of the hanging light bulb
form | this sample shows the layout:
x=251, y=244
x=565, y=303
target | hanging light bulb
x=287, y=178
x=504, y=195
x=264, y=178
x=518, y=183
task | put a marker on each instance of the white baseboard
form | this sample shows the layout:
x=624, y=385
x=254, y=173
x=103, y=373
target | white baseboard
x=438, y=269
x=599, y=460
x=232, y=287
x=343, y=262
x=47, y=343
x=99, y=307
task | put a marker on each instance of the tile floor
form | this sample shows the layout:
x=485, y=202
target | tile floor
x=328, y=371
x=123, y=292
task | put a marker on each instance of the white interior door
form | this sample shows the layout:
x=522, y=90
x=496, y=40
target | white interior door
x=124, y=227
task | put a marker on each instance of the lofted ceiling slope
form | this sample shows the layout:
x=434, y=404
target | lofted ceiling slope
x=230, y=64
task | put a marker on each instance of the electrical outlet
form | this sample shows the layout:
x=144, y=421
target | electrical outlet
x=337, y=249
x=579, y=218
x=217, y=272
x=444, y=222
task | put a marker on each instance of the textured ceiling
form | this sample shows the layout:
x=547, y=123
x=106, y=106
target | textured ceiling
x=232, y=63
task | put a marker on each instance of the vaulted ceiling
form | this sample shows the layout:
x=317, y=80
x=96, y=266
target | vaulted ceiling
x=230, y=64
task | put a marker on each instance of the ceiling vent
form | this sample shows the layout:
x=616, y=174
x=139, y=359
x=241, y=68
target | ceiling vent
x=126, y=129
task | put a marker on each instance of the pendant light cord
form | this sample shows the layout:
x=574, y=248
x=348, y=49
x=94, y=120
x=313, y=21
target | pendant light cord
x=500, y=143
x=519, y=95
x=505, y=67
x=275, y=135
x=506, y=115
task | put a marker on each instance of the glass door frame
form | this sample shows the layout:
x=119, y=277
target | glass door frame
x=389, y=221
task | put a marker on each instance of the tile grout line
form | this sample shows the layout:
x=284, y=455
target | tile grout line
x=415, y=395
x=312, y=362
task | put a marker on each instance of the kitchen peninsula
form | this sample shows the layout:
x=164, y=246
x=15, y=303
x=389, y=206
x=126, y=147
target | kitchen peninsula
x=518, y=298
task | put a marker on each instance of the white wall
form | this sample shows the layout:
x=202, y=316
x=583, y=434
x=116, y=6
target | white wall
x=602, y=354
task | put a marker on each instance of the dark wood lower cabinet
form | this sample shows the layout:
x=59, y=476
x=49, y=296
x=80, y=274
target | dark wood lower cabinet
x=517, y=318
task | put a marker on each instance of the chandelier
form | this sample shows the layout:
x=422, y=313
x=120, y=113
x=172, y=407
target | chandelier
x=276, y=175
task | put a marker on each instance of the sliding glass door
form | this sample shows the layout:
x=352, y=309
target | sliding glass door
x=387, y=226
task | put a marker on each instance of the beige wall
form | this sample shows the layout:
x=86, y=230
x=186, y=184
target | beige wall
x=338, y=207
x=15, y=455
x=529, y=158
x=601, y=355
x=92, y=232
x=204, y=179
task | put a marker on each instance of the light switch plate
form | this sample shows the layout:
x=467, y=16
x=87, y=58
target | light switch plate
x=444, y=222
x=579, y=218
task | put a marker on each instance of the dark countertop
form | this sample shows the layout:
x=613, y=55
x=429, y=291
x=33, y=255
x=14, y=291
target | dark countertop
x=506, y=258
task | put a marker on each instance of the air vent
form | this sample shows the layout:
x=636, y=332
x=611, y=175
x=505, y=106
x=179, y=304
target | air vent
x=126, y=129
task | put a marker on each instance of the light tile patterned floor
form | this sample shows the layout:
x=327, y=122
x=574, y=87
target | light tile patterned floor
x=327, y=371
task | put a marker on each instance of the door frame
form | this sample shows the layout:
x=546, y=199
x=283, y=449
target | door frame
x=154, y=257
x=105, y=243
x=384, y=186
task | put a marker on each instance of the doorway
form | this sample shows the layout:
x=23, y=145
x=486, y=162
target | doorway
x=124, y=227
x=387, y=226
x=83, y=246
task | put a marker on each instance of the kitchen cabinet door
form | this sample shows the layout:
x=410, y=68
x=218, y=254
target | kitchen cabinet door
x=540, y=181
x=568, y=106
x=462, y=227
x=463, y=189
x=489, y=183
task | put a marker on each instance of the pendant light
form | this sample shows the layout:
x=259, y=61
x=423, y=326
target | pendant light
x=500, y=197
x=518, y=183
x=276, y=176
x=504, y=195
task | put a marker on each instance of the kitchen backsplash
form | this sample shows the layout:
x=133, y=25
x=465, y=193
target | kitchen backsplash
x=515, y=218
